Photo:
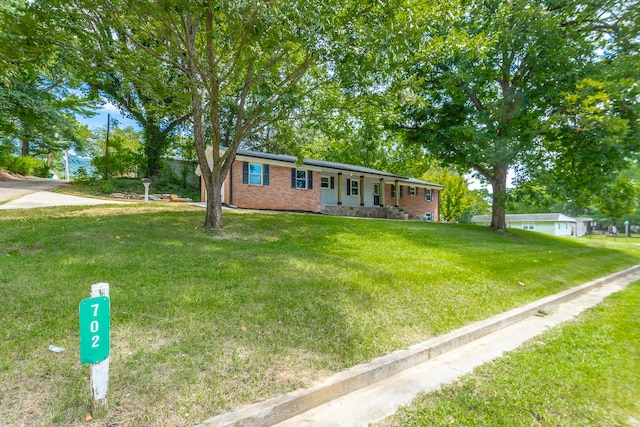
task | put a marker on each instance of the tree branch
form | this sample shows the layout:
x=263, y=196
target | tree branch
x=472, y=96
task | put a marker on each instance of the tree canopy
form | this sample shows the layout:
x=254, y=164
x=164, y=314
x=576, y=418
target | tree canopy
x=38, y=103
x=242, y=65
x=519, y=85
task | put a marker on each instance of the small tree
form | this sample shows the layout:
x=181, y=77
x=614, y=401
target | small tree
x=456, y=200
x=125, y=147
x=619, y=199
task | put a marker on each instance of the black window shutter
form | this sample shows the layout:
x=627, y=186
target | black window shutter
x=265, y=175
x=310, y=180
x=400, y=191
x=332, y=181
x=348, y=187
x=293, y=177
x=245, y=172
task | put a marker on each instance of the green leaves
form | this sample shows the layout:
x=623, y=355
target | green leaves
x=496, y=82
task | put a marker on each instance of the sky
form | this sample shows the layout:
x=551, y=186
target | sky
x=100, y=119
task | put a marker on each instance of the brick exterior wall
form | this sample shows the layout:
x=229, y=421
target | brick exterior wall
x=415, y=204
x=278, y=195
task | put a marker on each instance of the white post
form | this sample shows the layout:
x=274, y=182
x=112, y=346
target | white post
x=100, y=370
x=146, y=182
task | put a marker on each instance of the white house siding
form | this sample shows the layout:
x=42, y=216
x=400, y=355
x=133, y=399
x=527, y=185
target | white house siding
x=582, y=226
x=540, y=227
x=564, y=228
x=330, y=196
x=553, y=224
x=547, y=228
x=553, y=228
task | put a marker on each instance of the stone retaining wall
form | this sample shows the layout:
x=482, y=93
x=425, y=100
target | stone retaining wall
x=363, y=211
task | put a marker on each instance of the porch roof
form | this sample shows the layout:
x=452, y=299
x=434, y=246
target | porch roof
x=325, y=165
x=420, y=182
x=317, y=163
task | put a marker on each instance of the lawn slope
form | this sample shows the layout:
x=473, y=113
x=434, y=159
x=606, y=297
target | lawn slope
x=585, y=373
x=203, y=323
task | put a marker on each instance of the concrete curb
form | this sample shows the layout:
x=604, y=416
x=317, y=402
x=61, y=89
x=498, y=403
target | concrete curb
x=278, y=409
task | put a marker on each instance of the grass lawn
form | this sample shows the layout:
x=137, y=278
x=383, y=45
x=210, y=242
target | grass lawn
x=584, y=373
x=203, y=323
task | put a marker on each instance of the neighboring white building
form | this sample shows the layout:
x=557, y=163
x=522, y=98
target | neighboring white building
x=549, y=223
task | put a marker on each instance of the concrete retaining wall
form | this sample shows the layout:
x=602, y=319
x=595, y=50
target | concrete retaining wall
x=281, y=408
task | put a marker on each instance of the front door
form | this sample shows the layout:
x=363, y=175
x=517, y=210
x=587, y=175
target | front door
x=376, y=194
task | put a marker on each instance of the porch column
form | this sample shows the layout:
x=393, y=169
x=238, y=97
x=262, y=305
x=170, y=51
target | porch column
x=397, y=195
x=361, y=190
x=383, y=195
x=340, y=188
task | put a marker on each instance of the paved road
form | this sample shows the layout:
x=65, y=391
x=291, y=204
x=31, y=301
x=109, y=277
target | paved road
x=32, y=193
x=10, y=190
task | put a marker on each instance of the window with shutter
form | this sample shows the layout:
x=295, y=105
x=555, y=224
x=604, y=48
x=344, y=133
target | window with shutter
x=255, y=174
x=245, y=172
x=355, y=187
x=301, y=179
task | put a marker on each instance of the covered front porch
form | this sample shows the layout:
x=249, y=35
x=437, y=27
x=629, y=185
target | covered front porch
x=352, y=189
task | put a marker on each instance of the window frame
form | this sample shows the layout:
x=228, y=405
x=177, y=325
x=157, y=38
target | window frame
x=301, y=179
x=429, y=195
x=355, y=187
x=259, y=175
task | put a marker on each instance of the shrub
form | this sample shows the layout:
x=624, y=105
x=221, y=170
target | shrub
x=26, y=166
x=108, y=187
x=82, y=175
x=42, y=170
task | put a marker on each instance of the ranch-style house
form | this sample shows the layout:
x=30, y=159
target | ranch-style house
x=280, y=182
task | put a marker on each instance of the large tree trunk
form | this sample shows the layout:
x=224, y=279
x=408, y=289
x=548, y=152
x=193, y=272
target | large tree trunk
x=499, y=187
x=213, y=218
x=212, y=176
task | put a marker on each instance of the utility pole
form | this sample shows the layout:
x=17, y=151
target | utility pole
x=106, y=151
